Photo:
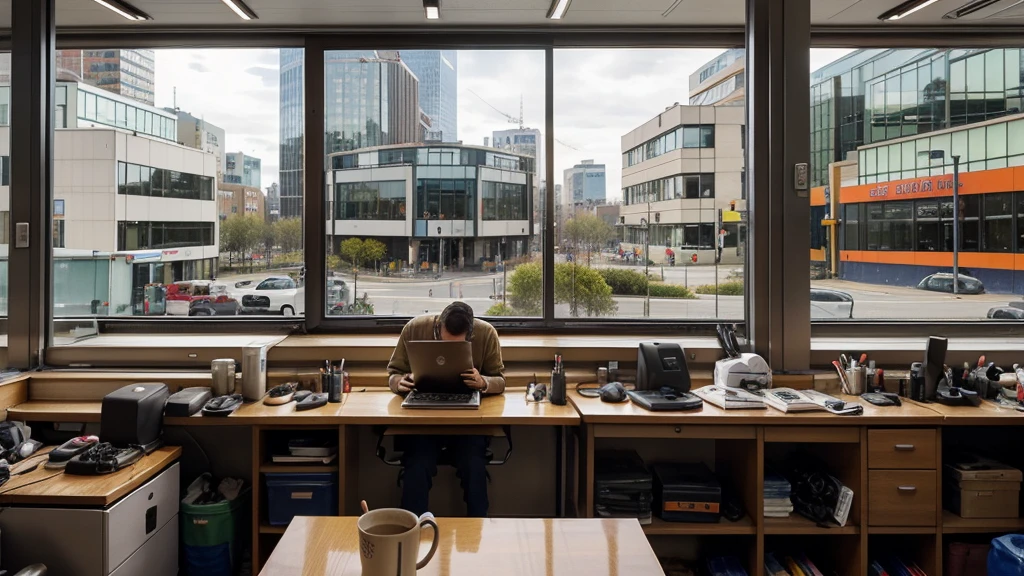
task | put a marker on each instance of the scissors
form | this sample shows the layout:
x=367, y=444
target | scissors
x=844, y=362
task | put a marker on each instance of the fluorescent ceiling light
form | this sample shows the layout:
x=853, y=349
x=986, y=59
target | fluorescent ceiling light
x=432, y=9
x=124, y=10
x=978, y=6
x=558, y=9
x=243, y=11
x=906, y=9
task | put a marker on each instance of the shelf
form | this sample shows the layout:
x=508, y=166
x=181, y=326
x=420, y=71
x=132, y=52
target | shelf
x=297, y=468
x=953, y=524
x=797, y=524
x=659, y=527
x=901, y=530
x=268, y=529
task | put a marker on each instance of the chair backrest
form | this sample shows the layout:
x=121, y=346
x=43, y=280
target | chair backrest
x=33, y=570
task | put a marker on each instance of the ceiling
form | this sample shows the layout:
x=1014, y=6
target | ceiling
x=487, y=13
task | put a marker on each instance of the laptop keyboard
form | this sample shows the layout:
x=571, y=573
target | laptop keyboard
x=442, y=397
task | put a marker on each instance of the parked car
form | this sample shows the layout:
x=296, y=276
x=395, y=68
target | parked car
x=284, y=295
x=200, y=298
x=1012, y=311
x=218, y=303
x=943, y=282
x=828, y=304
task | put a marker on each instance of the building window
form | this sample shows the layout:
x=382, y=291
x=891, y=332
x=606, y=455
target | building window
x=135, y=180
x=5, y=170
x=683, y=186
x=681, y=137
x=504, y=201
x=58, y=233
x=998, y=228
x=370, y=200
x=444, y=199
x=163, y=235
x=851, y=226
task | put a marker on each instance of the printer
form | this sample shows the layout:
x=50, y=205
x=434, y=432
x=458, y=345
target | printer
x=740, y=369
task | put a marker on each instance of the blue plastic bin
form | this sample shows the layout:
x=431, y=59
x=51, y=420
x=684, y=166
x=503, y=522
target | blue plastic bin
x=296, y=494
x=1006, y=558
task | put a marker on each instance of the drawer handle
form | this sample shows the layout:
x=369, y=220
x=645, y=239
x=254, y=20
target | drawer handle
x=907, y=488
x=302, y=495
x=904, y=447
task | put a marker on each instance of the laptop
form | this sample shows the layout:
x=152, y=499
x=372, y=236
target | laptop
x=437, y=367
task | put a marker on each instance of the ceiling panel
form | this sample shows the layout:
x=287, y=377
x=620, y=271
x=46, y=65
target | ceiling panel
x=489, y=13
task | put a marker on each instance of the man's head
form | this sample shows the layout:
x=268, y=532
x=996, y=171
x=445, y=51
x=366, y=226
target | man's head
x=455, y=322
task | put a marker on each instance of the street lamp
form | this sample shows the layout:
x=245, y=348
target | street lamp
x=939, y=155
x=504, y=272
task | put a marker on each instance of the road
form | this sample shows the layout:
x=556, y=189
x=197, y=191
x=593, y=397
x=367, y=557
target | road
x=409, y=297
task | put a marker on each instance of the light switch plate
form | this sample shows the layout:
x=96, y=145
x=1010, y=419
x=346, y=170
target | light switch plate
x=801, y=178
x=21, y=235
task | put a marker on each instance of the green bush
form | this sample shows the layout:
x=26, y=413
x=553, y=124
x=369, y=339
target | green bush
x=584, y=290
x=625, y=282
x=524, y=289
x=663, y=290
x=731, y=288
x=500, y=309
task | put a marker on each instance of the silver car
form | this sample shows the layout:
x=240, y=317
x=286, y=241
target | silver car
x=828, y=304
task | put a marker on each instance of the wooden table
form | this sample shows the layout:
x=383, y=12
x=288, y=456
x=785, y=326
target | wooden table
x=987, y=414
x=55, y=488
x=494, y=546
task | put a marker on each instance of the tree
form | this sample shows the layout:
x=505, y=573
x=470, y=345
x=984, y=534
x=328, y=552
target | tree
x=267, y=239
x=584, y=289
x=587, y=233
x=288, y=234
x=525, y=287
x=241, y=233
x=360, y=252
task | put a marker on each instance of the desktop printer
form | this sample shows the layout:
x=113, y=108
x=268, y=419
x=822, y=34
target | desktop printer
x=662, y=379
x=747, y=371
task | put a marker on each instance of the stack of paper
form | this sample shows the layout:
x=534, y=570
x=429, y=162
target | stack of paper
x=777, y=503
x=730, y=398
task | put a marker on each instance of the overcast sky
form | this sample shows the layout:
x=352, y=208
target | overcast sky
x=599, y=96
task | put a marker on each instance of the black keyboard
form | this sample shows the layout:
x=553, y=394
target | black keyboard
x=442, y=397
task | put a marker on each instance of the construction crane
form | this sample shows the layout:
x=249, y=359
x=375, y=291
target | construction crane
x=517, y=120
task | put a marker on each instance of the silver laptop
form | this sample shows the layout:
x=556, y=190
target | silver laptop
x=437, y=368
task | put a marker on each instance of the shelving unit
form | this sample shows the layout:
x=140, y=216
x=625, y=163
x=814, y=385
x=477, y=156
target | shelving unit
x=743, y=526
x=953, y=524
x=798, y=525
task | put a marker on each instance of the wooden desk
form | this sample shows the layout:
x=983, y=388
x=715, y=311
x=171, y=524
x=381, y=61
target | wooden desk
x=987, y=414
x=55, y=411
x=471, y=546
x=55, y=488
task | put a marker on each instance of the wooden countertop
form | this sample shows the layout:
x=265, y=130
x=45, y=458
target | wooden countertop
x=987, y=414
x=324, y=546
x=383, y=407
x=55, y=488
x=594, y=411
x=56, y=411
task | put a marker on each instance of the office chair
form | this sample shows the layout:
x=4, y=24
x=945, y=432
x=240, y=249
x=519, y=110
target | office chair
x=444, y=458
x=33, y=570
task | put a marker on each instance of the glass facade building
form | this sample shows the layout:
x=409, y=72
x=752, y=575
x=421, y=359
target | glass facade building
x=438, y=74
x=242, y=169
x=585, y=184
x=872, y=96
x=130, y=73
x=371, y=99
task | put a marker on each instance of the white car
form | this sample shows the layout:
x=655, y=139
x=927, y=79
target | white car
x=828, y=304
x=285, y=296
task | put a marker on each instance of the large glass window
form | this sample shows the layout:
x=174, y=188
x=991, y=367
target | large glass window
x=430, y=182
x=140, y=221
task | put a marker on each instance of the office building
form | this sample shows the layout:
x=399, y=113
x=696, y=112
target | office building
x=682, y=184
x=130, y=73
x=273, y=202
x=372, y=99
x=233, y=199
x=453, y=204
x=438, y=74
x=202, y=135
x=584, y=185
x=720, y=82
x=522, y=141
x=242, y=169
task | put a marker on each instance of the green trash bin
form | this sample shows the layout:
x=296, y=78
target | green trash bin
x=211, y=534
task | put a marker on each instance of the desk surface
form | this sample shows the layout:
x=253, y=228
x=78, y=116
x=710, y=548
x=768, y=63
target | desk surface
x=988, y=414
x=55, y=488
x=594, y=411
x=325, y=546
x=383, y=407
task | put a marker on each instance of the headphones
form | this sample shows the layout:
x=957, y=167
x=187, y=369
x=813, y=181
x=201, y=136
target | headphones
x=461, y=306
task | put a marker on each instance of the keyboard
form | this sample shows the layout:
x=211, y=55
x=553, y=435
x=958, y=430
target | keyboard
x=418, y=399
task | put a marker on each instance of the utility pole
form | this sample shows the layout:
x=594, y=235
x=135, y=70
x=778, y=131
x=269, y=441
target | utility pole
x=956, y=224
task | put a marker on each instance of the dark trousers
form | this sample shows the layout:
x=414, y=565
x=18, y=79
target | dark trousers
x=419, y=458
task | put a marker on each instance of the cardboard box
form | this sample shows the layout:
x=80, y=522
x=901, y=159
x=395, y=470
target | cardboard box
x=985, y=503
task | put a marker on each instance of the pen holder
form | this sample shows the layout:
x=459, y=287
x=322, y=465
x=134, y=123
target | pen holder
x=857, y=378
x=334, y=390
x=557, y=391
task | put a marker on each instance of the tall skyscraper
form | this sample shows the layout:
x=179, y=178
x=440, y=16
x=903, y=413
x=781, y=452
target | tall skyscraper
x=585, y=184
x=130, y=73
x=242, y=169
x=438, y=73
x=371, y=99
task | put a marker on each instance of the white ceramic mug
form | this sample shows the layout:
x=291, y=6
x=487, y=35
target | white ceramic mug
x=389, y=541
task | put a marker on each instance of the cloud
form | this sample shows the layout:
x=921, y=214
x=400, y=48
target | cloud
x=271, y=76
x=198, y=67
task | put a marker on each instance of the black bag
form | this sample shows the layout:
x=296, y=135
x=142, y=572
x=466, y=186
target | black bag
x=815, y=492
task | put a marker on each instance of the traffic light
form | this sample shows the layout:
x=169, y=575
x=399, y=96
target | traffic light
x=732, y=205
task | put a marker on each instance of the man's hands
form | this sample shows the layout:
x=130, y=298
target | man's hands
x=405, y=385
x=474, y=380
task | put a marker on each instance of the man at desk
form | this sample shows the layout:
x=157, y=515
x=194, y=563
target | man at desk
x=419, y=457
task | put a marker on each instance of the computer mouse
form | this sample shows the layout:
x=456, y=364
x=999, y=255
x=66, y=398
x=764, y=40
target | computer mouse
x=613, y=392
x=222, y=405
x=312, y=401
x=301, y=395
x=282, y=394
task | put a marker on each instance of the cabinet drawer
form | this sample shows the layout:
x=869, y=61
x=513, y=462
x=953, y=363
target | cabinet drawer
x=134, y=519
x=901, y=497
x=902, y=449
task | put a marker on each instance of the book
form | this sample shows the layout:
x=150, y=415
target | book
x=730, y=398
x=790, y=400
x=287, y=459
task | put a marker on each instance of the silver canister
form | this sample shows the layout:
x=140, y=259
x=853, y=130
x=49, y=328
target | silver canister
x=223, y=370
x=254, y=372
x=602, y=375
x=858, y=379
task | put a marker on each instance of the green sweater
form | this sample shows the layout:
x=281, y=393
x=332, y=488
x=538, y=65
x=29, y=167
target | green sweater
x=486, y=351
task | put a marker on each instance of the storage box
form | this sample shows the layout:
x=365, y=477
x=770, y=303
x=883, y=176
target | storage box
x=309, y=494
x=687, y=493
x=986, y=503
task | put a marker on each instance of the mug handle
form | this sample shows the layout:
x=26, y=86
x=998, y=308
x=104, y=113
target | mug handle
x=428, y=519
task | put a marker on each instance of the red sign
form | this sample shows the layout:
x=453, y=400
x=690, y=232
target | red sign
x=693, y=257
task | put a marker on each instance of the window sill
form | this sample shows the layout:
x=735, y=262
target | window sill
x=900, y=351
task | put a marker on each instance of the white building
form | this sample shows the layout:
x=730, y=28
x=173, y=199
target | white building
x=682, y=184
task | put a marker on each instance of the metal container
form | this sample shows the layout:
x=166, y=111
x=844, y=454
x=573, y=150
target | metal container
x=254, y=372
x=602, y=376
x=858, y=379
x=223, y=371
